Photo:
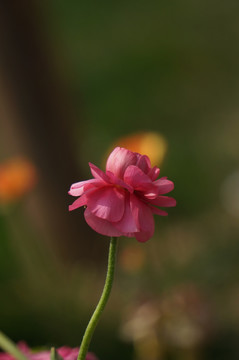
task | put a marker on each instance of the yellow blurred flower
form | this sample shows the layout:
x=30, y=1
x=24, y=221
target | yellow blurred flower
x=140, y=327
x=148, y=143
x=17, y=177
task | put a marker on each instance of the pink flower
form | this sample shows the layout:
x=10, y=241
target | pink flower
x=65, y=352
x=122, y=200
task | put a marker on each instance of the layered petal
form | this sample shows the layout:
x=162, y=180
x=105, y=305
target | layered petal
x=143, y=163
x=117, y=181
x=163, y=201
x=143, y=216
x=127, y=224
x=143, y=236
x=141, y=182
x=98, y=174
x=137, y=178
x=107, y=203
x=151, y=192
x=119, y=160
x=164, y=186
x=154, y=173
x=101, y=226
x=81, y=201
x=77, y=189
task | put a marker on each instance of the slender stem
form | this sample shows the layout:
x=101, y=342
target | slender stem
x=8, y=346
x=102, y=302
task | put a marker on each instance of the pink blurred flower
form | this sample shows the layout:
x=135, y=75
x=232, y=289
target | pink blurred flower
x=65, y=352
x=122, y=200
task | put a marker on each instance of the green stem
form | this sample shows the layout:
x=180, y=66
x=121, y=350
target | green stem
x=8, y=346
x=103, y=300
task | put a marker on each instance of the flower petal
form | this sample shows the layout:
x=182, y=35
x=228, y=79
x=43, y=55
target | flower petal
x=143, y=236
x=143, y=163
x=127, y=224
x=151, y=193
x=137, y=178
x=119, y=160
x=107, y=203
x=97, y=173
x=81, y=201
x=163, y=201
x=116, y=181
x=164, y=186
x=154, y=173
x=77, y=189
x=143, y=216
x=101, y=226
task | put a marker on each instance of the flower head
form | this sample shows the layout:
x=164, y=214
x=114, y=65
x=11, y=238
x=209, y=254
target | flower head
x=122, y=200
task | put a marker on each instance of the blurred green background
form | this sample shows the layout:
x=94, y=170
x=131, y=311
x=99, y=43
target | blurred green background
x=75, y=77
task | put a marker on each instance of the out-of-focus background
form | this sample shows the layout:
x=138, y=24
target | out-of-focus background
x=76, y=79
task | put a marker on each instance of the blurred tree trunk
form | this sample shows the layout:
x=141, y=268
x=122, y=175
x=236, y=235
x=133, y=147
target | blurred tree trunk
x=37, y=120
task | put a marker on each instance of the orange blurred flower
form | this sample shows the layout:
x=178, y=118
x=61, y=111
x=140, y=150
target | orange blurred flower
x=151, y=144
x=17, y=177
x=132, y=258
